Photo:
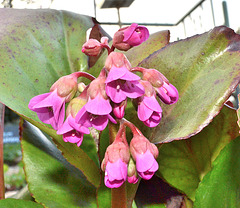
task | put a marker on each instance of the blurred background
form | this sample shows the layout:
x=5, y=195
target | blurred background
x=183, y=18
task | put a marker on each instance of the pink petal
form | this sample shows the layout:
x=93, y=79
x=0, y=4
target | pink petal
x=78, y=127
x=154, y=120
x=37, y=99
x=73, y=137
x=152, y=103
x=100, y=122
x=83, y=117
x=129, y=31
x=114, y=91
x=66, y=127
x=145, y=162
x=116, y=73
x=144, y=112
x=98, y=106
x=133, y=89
x=117, y=170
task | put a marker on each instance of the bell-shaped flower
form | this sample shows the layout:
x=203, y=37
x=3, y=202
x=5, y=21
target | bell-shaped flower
x=149, y=110
x=121, y=83
x=50, y=107
x=73, y=132
x=115, y=164
x=167, y=93
x=145, y=154
x=127, y=37
x=96, y=112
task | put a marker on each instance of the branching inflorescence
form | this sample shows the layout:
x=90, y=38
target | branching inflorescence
x=104, y=100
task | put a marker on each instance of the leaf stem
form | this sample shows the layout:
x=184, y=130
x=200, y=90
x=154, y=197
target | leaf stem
x=2, y=187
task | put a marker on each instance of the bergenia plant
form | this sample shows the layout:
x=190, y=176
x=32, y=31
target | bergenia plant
x=142, y=125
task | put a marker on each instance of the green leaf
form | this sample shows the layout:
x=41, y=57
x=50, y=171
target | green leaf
x=184, y=163
x=221, y=187
x=50, y=182
x=18, y=203
x=37, y=47
x=205, y=69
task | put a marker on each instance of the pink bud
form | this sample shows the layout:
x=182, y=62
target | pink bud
x=132, y=172
x=127, y=37
x=66, y=86
x=115, y=164
x=92, y=47
x=119, y=109
x=144, y=153
x=118, y=60
x=167, y=93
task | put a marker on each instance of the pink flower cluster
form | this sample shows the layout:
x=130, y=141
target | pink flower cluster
x=104, y=100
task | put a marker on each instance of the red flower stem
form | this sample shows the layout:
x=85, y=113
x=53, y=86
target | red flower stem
x=2, y=187
x=84, y=74
x=133, y=128
x=137, y=69
x=119, y=195
x=108, y=48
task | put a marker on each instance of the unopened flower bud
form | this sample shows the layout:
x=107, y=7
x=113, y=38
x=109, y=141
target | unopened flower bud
x=132, y=172
x=154, y=77
x=92, y=47
x=119, y=109
x=127, y=37
x=115, y=164
x=66, y=86
x=117, y=60
x=144, y=153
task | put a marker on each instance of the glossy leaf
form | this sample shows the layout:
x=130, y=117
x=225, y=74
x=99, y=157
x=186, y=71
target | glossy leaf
x=18, y=203
x=220, y=187
x=37, y=47
x=205, y=69
x=50, y=182
x=184, y=163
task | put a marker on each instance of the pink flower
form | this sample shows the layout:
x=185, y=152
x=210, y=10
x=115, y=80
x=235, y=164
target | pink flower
x=127, y=37
x=146, y=165
x=132, y=172
x=115, y=174
x=97, y=121
x=149, y=111
x=121, y=83
x=50, y=108
x=167, y=93
x=72, y=132
x=115, y=164
x=144, y=153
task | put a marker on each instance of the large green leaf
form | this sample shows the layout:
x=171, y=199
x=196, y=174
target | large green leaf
x=18, y=203
x=205, y=69
x=50, y=182
x=37, y=47
x=184, y=163
x=221, y=187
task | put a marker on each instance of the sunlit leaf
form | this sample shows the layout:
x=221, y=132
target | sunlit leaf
x=205, y=69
